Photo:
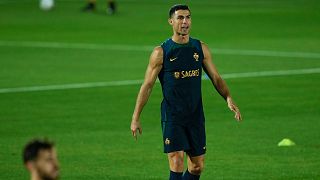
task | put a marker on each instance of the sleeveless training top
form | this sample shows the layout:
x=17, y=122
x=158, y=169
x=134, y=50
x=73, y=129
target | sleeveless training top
x=180, y=79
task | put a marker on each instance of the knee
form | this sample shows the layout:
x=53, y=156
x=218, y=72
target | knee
x=176, y=162
x=196, y=169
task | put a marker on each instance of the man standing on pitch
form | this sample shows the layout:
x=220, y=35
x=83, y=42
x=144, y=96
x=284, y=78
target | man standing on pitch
x=178, y=64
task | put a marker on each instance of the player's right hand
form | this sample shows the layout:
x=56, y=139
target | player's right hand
x=233, y=107
x=135, y=127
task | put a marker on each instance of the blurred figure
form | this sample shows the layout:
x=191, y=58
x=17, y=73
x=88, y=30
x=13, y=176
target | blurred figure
x=91, y=6
x=40, y=158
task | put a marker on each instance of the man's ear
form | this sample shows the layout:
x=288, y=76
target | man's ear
x=170, y=21
x=29, y=165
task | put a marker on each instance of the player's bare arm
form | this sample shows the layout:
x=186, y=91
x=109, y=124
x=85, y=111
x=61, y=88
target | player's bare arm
x=153, y=69
x=218, y=82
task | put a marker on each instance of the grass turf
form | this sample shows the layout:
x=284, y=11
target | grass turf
x=91, y=126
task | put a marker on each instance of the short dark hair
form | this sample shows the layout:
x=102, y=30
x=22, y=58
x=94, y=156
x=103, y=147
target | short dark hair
x=177, y=7
x=32, y=149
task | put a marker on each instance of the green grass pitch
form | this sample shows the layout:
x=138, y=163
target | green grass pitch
x=91, y=126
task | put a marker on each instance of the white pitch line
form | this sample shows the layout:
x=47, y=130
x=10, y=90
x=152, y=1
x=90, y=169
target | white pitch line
x=137, y=82
x=271, y=73
x=266, y=53
x=71, y=86
x=241, y=52
x=87, y=46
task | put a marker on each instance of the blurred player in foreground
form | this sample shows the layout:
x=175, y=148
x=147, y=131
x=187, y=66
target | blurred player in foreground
x=40, y=158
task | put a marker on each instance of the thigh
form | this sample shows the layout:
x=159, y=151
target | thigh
x=174, y=137
x=197, y=139
x=176, y=155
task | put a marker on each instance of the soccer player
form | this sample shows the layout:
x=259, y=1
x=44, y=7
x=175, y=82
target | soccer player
x=91, y=6
x=40, y=158
x=178, y=64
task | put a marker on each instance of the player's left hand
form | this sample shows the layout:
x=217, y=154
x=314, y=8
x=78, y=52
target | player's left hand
x=135, y=128
x=233, y=107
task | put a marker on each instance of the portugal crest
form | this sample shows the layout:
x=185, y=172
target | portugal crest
x=196, y=56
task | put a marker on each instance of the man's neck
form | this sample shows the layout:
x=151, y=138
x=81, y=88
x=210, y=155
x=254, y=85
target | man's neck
x=35, y=176
x=180, y=39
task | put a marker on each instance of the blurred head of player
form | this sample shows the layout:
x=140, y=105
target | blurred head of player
x=180, y=19
x=40, y=158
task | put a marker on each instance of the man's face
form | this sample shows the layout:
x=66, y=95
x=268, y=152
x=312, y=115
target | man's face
x=46, y=164
x=181, y=22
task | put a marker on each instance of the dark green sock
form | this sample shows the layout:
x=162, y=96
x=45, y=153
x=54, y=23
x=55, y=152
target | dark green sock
x=175, y=175
x=188, y=176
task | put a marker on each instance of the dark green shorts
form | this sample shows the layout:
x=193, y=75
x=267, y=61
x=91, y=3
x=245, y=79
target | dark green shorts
x=189, y=137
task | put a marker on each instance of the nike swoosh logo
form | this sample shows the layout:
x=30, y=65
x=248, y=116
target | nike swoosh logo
x=172, y=59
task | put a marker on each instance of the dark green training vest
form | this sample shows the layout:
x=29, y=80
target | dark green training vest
x=180, y=79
